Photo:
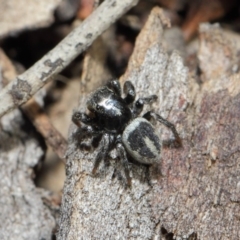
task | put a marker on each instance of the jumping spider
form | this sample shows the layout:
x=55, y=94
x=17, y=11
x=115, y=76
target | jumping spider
x=113, y=122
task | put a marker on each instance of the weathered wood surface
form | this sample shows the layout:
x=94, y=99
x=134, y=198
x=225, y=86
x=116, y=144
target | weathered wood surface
x=17, y=16
x=194, y=193
x=23, y=214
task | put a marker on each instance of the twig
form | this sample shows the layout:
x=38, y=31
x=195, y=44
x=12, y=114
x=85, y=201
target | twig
x=43, y=124
x=36, y=114
x=28, y=83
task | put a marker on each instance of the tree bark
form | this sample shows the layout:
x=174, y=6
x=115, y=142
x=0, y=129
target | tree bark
x=194, y=192
x=23, y=214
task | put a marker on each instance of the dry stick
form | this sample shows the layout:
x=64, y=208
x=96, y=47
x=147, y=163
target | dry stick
x=28, y=83
x=43, y=124
x=37, y=115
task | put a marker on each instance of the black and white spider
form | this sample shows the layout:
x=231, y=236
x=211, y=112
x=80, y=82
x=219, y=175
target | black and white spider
x=113, y=122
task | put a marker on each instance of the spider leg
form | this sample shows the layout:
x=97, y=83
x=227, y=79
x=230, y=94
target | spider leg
x=86, y=131
x=138, y=106
x=115, y=86
x=83, y=133
x=129, y=90
x=96, y=140
x=89, y=146
x=123, y=156
x=79, y=117
x=103, y=151
x=149, y=115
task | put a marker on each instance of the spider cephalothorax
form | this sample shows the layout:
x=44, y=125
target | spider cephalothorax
x=114, y=122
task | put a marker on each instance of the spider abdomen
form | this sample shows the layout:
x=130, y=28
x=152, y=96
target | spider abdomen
x=141, y=141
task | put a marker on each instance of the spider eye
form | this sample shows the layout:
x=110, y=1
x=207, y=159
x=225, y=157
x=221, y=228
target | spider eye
x=139, y=103
x=98, y=107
